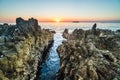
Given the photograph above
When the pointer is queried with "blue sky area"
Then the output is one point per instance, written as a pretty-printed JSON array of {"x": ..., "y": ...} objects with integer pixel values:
[{"x": 44, "y": 10}]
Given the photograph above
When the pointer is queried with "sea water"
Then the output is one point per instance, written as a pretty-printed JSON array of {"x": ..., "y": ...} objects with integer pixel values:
[
  {"x": 52, "y": 63},
  {"x": 59, "y": 27}
]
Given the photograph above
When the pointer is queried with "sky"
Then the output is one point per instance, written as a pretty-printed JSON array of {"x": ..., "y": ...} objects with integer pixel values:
[{"x": 60, "y": 10}]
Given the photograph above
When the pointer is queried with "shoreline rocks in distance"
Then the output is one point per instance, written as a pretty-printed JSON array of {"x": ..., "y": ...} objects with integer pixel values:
[
  {"x": 22, "y": 48},
  {"x": 90, "y": 55}
]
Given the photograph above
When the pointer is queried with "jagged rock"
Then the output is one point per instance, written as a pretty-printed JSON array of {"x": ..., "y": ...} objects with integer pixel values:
[
  {"x": 53, "y": 32},
  {"x": 65, "y": 33},
  {"x": 94, "y": 28},
  {"x": 2, "y": 39},
  {"x": 118, "y": 31},
  {"x": 78, "y": 33},
  {"x": 28, "y": 27},
  {"x": 21, "y": 49},
  {"x": 90, "y": 55}
]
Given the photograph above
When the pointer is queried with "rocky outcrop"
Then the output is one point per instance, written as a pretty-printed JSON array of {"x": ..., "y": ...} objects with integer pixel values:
[
  {"x": 65, "y": 33},
  {"x": 90, "y": 55},
  {"x": 22, "y": 48}
]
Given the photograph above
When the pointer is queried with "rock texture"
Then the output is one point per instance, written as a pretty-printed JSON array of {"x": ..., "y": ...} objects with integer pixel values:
[
  {"x": 90, "y": 55},
  {"x": 22, "y": 48}
]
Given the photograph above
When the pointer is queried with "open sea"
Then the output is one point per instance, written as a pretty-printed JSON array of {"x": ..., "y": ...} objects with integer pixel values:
[{"x": 59, "y": 27}]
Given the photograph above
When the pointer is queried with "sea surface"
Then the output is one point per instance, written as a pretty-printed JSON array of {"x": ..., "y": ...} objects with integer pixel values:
[
  {"x": 59, "y": 27},
  {"x": 52, "y": 63}
]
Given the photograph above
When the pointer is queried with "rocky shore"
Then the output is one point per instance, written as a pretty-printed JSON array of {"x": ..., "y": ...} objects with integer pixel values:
[
  {"x": 22, "y": 48},
  {"x": 90, "y": 55}
]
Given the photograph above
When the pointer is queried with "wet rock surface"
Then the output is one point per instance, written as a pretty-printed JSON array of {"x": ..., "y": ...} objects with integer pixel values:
[
  {"x": 22, "y": 48},
  {"x": 90, "y": 55}
]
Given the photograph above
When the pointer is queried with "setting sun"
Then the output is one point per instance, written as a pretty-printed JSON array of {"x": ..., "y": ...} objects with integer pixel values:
[{"x": 57, "y": 20}]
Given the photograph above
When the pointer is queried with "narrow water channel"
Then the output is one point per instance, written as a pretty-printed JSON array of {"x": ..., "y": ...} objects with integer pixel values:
[{"x": 52, "y": 63}]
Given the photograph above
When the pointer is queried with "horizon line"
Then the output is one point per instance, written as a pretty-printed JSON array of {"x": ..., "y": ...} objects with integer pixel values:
[
  {"x": 86, "y": 21},
  {"x": 74, "y": 21},
  {"x": 77, "y": 21}
]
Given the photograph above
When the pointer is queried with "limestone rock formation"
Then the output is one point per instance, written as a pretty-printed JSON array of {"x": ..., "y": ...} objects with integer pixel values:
[
  {"x": 88, "y": 56},
  {"x": 21, "y": 49}
]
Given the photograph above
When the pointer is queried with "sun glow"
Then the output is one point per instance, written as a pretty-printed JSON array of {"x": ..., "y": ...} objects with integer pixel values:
[{"x": 57, "y": 20}]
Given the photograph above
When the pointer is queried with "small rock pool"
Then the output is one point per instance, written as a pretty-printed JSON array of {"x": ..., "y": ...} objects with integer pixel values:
[{"x": 52, "y": 63}]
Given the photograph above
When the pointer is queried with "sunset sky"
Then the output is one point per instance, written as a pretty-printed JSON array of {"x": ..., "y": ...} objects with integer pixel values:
[{"x": 60, "y": 10}]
